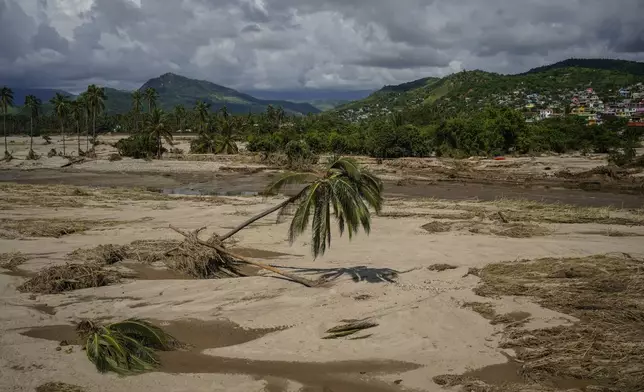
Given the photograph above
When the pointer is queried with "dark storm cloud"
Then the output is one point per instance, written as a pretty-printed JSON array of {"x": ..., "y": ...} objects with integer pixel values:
[{"x": 290, "y": 44}]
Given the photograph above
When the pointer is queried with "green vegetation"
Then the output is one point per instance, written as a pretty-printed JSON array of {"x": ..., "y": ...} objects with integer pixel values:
[
  {"x": 126, "y": 347},
  {"x": 6, "y": 101},
  {"x": 464, "y": 114}
]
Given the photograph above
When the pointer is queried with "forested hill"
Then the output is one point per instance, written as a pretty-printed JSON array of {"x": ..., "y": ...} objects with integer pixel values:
[
  {"x": 179, "y": 90},
  {"x": 470, "y": 91}
]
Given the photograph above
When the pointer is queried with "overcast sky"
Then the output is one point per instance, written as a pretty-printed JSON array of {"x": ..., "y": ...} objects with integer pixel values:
[{"x": 292, "y": 44}]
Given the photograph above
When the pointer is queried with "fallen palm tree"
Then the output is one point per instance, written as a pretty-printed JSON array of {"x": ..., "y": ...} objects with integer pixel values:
[{"x": 344, "y": 190}]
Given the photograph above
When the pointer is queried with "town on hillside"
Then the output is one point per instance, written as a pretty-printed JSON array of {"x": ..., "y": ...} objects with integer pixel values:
[{"x": 627, "y": 102}]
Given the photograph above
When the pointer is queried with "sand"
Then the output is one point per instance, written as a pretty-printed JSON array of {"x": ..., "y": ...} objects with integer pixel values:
[{"x": 424, "y": 330}]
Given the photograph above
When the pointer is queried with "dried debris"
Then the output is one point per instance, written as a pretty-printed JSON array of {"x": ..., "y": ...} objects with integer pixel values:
[
  {"x": 68, "y": 277},
  {"x": 12, "y": 260},
  {"x": 349, "y": 328},
  {"x": 441, "y": 267},
  {"x": 604, "y": 349}
]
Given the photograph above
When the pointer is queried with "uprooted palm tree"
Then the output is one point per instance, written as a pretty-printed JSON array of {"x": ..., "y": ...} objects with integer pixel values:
[
  {"x": 126, "y": 347},
  {"x": 343, "y": 191}
]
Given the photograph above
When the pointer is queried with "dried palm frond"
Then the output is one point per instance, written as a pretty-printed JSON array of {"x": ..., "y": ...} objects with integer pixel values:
[{"x": 349, "y": 329}]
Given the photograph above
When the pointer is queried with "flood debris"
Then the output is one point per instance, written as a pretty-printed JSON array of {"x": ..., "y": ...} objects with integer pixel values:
[
  {"x": 12, "y": 260},
  {"x": 350, "y": 328},
  {"x": 604, "y": 350},
  {"x": 68, "y": 277}
]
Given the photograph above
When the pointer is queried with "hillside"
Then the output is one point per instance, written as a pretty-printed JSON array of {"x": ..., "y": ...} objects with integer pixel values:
[
  {"x": 179, "y": 90},
  {"x": 631, "y": 67},
  {"x": 546, "y": 87},
  {"x": 44, "y": 94}
]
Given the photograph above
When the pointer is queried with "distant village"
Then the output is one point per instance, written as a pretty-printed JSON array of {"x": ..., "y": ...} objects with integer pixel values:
[{"x": 627, "y": 102}]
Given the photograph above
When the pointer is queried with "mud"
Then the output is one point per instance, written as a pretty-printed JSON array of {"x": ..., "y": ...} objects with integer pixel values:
[
  {"x": 510, "y": 373},
  {"x": 199, "y": 183},
  {"x": 198, "y": 335}
]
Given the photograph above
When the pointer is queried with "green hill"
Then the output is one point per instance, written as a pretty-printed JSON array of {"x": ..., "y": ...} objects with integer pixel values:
[
  {"x": 178, "y": 90},
  {"x": 552, "y": 86}
]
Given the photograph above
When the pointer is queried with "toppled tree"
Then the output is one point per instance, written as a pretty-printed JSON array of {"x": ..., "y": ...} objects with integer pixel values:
[{"x": 344, "y": 190}]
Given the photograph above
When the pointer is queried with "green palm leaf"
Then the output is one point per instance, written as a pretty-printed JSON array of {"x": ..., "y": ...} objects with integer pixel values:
[{"x": 126, "y": 347}]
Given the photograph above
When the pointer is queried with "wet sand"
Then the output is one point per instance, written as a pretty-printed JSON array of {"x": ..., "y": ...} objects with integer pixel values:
[
  {"x": 198, "y": 335},
  {"x": 199, "y": 183}
]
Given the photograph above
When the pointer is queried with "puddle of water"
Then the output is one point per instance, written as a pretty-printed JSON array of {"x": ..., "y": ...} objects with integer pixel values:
[
  {"x": 206, "y": 192},
  {"x": 50, "y": 310},
  {"x": 20, "y": 273},
  {"x": 341, "y": 376},
  {"x": 518, "y": 316},
  {"x": 57, "y": 333},
  {"x": 510, "y": 372}
]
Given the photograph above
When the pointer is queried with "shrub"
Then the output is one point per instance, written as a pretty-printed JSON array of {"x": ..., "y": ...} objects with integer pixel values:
[
  {"x": 47, "y": 139},
  {"x": 206, "y": 143},
  {"x": 139, "y": 146},
  {"x": 114, "y": 157},
  {"x": 299, "y": 154},
  {"x": 52, "y": 153}
]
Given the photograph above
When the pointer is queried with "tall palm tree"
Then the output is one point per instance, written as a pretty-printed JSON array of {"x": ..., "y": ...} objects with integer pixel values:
[
  {"x": 151, "y": 96},
  {"x": 201, "y": 110},
  {"x": 87, "y": 108},
  {"x": 157, "y": 126},
  {"x": 96, "y": 99},
  {"x": 77, "y": 112},
  {"x": 179, "y": 115},
  {"x": 6, "y": 101},
  {"x": 343, "y": 190},
  {"x": 137, "y": 105},
  {"x": 227, "y": 126},
  {"x": 32, "y": 104},
  {"x": 61, "y": 108}
]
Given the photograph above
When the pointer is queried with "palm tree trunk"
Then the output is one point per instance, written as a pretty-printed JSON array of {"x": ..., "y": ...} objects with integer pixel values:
[
  {"x": 94, "y": 129},
  {"x": 158, "y": 147},
  {"x": 256, "y": 218},
  {"x": 4, "y": 126},
  {"x": 86, "y": 132},
  {"x": 31, "y": 134},
  {"x": 78, "y": 128},
  {"x": 62, "y": 133}
]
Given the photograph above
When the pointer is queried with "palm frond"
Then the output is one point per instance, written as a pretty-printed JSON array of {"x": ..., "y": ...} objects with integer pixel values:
[
  {"x": 287, "y": 179},
  {"x": 320, "y": 227},
  {"x": 347, "y": 166},
  {"x": 126, "y": 347},
  {"x": 307, "y": 205}
]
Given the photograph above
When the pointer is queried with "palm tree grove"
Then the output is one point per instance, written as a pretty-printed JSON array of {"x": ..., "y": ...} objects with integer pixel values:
[{"x": 253, "y": 196}]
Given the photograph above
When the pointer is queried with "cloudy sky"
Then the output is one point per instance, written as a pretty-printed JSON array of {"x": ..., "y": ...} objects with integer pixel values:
[{"x": 294, "y": 44}]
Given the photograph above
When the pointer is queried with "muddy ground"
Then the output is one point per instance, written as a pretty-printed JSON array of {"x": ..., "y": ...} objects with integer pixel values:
[{"x": 473, "y": 286}]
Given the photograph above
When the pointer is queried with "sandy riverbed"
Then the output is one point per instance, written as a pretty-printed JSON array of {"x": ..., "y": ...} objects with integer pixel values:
[{"x": 424, "y": 329}]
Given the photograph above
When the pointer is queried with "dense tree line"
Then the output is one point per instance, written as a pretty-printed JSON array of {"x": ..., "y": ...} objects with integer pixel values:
[{"x": 411, "y": 133}]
